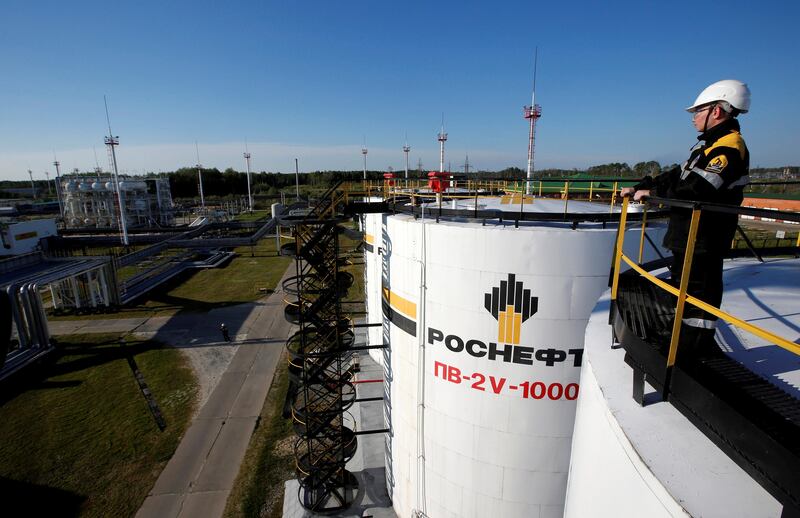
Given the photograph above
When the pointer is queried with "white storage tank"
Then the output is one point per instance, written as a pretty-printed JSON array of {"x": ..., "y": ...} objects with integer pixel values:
[{"x": 486, "y": 333}]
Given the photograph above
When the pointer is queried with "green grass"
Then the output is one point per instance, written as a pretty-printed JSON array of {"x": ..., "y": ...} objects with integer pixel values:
[
  {"x": 254, "y": 216},
  {"x": 78, "y": 437},
  {"x": 246, "y": 278},
  {"x": 773, "y": 195},
  {"x": 765, "y": 238}
]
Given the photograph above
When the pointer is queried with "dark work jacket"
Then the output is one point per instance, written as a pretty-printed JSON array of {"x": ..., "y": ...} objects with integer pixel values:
[{"x": 716, "y": 172}]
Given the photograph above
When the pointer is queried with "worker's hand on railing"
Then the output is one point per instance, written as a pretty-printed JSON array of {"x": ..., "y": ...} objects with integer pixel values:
[{"x": 637, "y": 195}]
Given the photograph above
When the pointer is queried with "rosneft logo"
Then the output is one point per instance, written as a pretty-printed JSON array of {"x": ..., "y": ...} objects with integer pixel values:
[{"x": 511, "y": 305}]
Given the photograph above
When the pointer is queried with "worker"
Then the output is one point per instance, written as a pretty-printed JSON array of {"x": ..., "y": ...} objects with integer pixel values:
[
  {"x": 225, "y": 335},
  {"x": 716, "y": 172}
]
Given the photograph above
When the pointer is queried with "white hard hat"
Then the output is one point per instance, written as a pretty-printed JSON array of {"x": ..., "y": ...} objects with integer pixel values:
[{"x": 734, "y": 92}]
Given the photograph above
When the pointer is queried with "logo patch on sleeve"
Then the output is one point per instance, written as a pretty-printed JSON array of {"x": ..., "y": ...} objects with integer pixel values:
[{"x": 717, "y": 164}]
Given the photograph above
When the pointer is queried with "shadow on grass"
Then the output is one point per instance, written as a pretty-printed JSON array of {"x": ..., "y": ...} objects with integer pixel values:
[
  {"x": 40, "y": 500},
  {"x": 90, "y": 356},
  {"x": 160, "y": 301},
  {"x": 66, "y": 359}
]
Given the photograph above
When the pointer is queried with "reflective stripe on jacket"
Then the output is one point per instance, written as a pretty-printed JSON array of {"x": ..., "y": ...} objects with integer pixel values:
[{"x": 716, "y": 172}]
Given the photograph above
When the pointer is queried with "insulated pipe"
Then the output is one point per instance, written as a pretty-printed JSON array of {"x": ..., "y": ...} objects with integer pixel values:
[
  {"x": 41, "y": 318},
  {"x": 76, "y": 296},
  {"x": 34, "y": 320},
  {"x": 28, "y": 316},
  {"x": 11, "y": 292},
  {"x": 101, "y": 277},
  {"x": 92, "y": 297},
  {"x": 54, "y": 296}
]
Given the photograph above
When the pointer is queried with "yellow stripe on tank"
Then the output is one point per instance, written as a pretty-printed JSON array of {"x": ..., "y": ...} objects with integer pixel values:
[{"x": 404, "y": 306}]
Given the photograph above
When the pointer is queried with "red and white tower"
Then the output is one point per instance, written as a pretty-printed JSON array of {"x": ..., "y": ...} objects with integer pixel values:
[{"x": 532, "y": 113}]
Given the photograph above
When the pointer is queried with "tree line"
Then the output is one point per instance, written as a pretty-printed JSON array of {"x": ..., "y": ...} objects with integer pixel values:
[{"x": 230, "y": 182}]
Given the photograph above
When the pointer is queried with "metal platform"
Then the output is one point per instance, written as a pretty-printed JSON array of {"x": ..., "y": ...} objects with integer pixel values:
[{"x": 752, "y": 418}]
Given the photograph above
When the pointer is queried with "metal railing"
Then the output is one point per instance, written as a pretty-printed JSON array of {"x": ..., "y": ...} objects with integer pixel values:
[
  {"x": 587, "y": 189},
  {"x": 680, "y": 292}
]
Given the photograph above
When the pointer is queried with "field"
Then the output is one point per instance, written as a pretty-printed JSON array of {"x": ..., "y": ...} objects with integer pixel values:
[{"x": 78, "y": 438}]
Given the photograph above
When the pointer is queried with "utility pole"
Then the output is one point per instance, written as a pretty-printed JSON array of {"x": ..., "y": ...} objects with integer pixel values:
[
  {"x": 406, "y": 149},
  {"x": 200, "y": 176},
  {"x": 247, "y": 161},
  {"x": 364, "y": 152},
  {"x": 112, "y": 142},
  {"x": 33, "y": 187},
  {"x": 296, "y": 180},
  {"x": 58, "y": 184}
]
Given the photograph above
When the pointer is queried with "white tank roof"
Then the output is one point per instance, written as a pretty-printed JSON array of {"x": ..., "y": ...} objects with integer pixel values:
[
  {"x": 654, "y": 455},
  {"x": 511, "y": 203}
]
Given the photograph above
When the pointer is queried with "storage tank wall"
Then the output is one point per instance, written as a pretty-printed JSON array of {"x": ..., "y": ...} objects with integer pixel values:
[
  {"x": 373, "y": 224},
  {"x": 498, "y": 387}
]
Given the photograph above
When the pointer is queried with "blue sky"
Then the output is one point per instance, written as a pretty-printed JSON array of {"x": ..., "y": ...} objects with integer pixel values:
[{"x": 313, "y": 79}]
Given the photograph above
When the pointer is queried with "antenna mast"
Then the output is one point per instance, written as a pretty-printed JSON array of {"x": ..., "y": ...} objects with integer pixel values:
[
  {"x": 442, "y": 139},
  {"x": 532, "y": 113},
  {"x": 111, "y": 142}
]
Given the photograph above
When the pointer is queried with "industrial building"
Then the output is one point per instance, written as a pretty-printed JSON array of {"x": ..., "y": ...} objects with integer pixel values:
[{"x": 23, "y": 237}]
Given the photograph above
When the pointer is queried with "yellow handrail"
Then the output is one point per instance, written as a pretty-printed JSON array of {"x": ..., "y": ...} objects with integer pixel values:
[
  {"x": 681, "y": 291},
  {"x": 623, "y": 217},
  {"x": 708, "y": 308},
  {"x": 642, "y": 236},
  {"x": 685, "y": 273}
]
